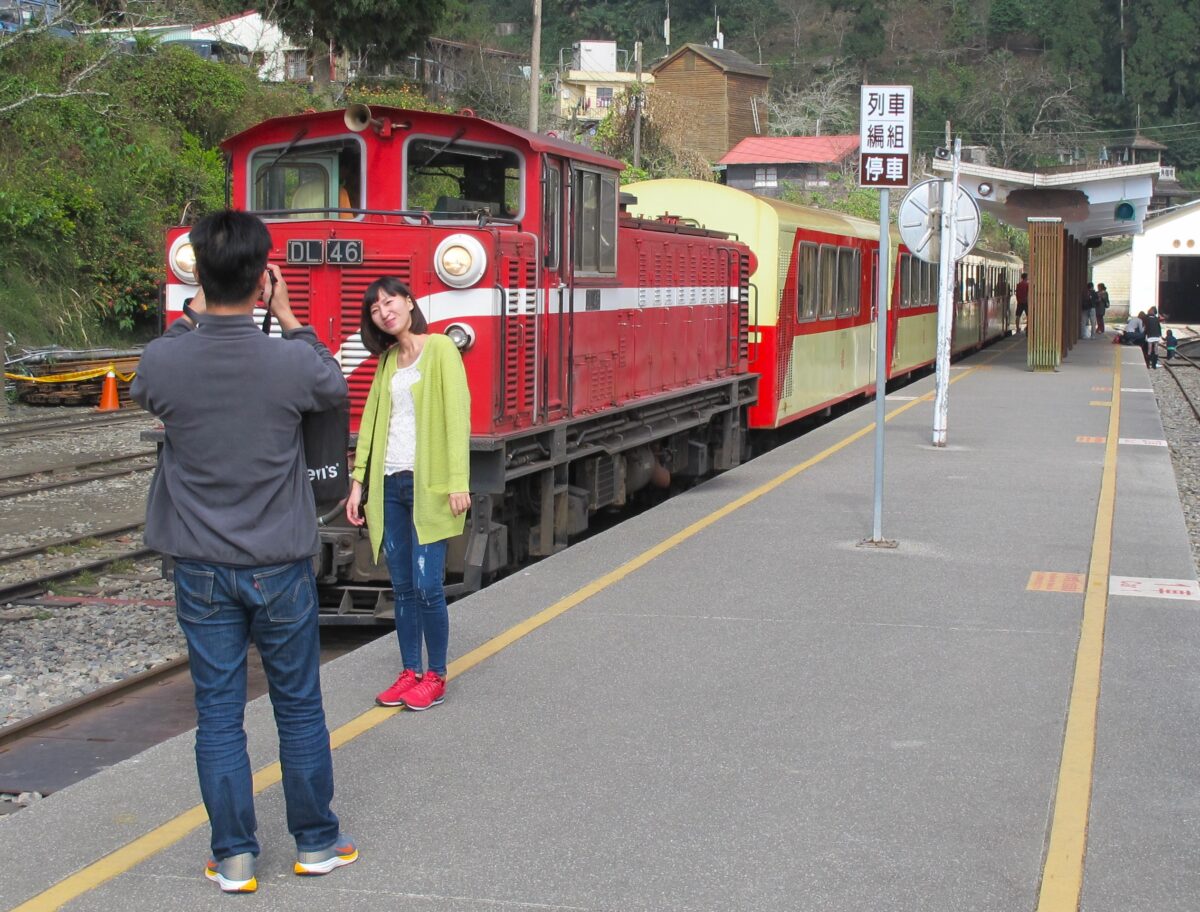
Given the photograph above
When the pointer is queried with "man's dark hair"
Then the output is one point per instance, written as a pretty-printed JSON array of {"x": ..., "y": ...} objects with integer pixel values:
[
  {"x": 231, "y": 254},
  {"x": 374, "y": 338}
]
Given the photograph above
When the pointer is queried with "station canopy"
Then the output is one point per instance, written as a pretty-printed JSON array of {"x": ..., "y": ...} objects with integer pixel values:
[{"x": 1093, "y": 202}]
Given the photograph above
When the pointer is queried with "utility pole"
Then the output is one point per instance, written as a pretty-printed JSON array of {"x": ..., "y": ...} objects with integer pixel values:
[
  {"x": 1122, "y": 48},
  {"x": 535, "y": 65},
  {"x": 637, "y": 105}
]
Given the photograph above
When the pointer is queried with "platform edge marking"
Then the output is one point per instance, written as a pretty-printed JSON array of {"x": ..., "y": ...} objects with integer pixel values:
[
  {"x": 164, "y": 836},
  {"x": 1061, "y": 888}
]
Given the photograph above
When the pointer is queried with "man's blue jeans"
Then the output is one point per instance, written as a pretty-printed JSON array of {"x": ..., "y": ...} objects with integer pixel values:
[
  {"x": 418, "y": 575},
  {"x": 221, "y": 609}
]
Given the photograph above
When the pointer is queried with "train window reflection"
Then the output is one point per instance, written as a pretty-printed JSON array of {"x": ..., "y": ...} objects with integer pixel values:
[
  {"x": 806, "y": 283},
  {"x": 828, "y": 289},
  {"x": 454, "y": 180},
  {"x": 313, "y": 181},
  {"x": 848, "y": 284},
  {"x": 595, "y": 222}
]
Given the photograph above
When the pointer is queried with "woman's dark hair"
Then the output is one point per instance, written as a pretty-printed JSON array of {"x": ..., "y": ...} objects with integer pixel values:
[
  {"x": 231, "y": 254},
  {"x": 375, "y": 339}
]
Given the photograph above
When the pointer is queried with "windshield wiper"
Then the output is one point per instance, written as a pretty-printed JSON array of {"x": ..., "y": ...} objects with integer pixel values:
[
  {"x": 300, "y": 134},
  {"x": 458, "y": 134}
]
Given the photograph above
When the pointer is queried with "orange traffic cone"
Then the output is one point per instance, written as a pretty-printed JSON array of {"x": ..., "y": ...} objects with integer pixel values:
[{"x": 108, "y": 394}]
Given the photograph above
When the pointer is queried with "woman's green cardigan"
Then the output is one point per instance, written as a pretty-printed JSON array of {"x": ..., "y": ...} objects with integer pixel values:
[{"x": 443, "y": 411}]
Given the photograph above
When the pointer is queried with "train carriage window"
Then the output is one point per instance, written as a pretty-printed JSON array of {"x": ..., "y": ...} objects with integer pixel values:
[
  {"x": 828, "y": 282},
  {"x": 595, "y": 222},
  {"x": 455, "y": 180},
  {"x": 315, "y": 180},
  {"x": 807, "y": 283},
  {"x": 906, "y": 262},
  {"x": 848, "y": 284}
]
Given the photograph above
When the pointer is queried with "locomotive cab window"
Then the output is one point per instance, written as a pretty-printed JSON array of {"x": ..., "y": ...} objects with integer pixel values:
[
  {"x": 594, "y": 222},
  {"x": 313, "y": 181},
  {"x": 454, "y": 180}
]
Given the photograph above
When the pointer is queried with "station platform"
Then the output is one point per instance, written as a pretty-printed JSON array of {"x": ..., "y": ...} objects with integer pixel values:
[{"x": 727, "y": 703}]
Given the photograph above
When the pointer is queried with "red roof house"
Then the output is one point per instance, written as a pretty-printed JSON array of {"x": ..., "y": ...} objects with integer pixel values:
[{"x": 761, "y": 164}]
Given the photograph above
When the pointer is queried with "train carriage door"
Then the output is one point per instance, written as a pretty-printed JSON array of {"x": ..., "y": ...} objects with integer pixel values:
[{"x": 555, "y": 312}]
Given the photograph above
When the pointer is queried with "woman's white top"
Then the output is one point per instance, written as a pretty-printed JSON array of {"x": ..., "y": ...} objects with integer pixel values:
[{"x": 402, "y": 426}]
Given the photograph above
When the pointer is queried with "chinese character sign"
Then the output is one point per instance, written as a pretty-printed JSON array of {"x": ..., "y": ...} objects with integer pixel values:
[{"x": 885, "y": 136}]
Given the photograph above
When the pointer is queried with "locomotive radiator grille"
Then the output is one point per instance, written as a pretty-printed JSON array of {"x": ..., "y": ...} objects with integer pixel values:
[
  {"x": 520, "y": 350},
  {"x": 743, "y": 308},
  {"x": 354, "y": 282},
  {"x": 299, "y": 283}
]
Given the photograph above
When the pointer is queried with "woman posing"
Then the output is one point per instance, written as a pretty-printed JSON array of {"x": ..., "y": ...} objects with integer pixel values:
[{"x": 413, "y": 456}]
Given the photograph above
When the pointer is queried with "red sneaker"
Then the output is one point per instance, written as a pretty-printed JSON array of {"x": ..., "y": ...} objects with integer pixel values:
[
  {"x": 430, "y": 692},
  {"x": 392, "y": 696}
]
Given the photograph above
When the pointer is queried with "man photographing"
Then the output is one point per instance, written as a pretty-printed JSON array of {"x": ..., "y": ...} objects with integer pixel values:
[{"x": 231, "y": 503}]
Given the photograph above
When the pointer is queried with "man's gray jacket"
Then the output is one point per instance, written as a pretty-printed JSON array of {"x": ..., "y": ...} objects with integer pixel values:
[{"x": 231, "y": 485}]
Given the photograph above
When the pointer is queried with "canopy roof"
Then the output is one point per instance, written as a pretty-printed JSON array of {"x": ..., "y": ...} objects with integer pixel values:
[{"x": 1087, "y": 200}]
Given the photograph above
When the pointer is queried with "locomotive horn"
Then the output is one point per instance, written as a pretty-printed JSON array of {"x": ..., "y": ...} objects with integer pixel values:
[{"x": 358, "y": 118}]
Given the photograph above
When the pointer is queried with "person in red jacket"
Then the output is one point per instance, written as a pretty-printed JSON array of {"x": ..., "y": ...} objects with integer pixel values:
[{"x": 1022, "y": 293}]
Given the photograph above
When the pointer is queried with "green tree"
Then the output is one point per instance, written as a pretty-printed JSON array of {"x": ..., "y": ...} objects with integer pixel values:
[{"x": 388, "y": 27}]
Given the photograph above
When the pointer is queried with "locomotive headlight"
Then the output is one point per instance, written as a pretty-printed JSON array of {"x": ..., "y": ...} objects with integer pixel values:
[
  {"x": 461, "y": 335},
  {"x": 460, "y": 260},
  {"x": 182, "y": 259}
]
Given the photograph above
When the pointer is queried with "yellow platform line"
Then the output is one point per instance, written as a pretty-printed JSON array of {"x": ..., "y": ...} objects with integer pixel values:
[
  {"x": 134, "y": 853},
  {"x": 1062, "y": 877}
]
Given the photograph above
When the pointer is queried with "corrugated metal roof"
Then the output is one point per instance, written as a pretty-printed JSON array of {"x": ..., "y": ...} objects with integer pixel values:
[{"x": 766, "y": 150}]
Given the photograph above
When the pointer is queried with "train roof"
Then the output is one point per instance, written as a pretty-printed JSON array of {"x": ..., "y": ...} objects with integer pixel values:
[
  {"x": 727, "y": 208},
  {"x": 538, "y": 142}
]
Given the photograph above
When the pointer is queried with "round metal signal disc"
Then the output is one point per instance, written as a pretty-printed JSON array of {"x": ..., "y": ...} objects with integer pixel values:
[{"x": 920, "y": 221}]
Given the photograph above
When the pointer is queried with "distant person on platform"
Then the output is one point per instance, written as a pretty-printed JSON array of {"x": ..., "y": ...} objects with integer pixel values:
[
  {"x": 1022, "y": 293},
  {"x": 232, "y": 504},
  {"x": 1088, "y": 306},
  {"x": 1153, "y": 329},
  {"x": 1102, "y": 293}
]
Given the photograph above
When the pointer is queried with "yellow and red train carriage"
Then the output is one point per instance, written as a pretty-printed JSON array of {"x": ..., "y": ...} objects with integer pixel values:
[{"x": 813, "y": 331}]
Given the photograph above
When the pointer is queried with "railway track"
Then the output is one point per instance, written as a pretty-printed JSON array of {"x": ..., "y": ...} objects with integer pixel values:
[
  {"x": 20, "y": 483},
  {"x": 31, "y": 427},
  {"x": 44, "y": 582},
  {"x": 1173, "y": 368},
  {"x": 121, "y": 719}
]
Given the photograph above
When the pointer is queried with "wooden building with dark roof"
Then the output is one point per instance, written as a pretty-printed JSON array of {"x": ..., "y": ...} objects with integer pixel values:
[{"x": 726, "y": 95}]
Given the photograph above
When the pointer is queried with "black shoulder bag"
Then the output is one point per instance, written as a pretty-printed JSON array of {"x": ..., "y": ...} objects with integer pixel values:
[{"x": 326, "y": 437}]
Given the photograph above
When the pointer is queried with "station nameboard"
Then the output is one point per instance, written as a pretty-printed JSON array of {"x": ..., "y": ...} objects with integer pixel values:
[{"x": 885, "y": 136}]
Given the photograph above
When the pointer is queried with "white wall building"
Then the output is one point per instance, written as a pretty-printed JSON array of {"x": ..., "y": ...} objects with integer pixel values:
[
  {"x": 277, "y": 59},
  {"x": 1165, "y": 267},
  {"x": 1113, "y": 270}
]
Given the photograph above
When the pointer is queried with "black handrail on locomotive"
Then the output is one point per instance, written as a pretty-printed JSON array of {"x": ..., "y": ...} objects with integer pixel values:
[{"x": 424, "y": 215}]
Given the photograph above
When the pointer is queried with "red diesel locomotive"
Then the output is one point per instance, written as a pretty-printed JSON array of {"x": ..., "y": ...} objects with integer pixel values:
[{"x": 604, "y": 352}]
